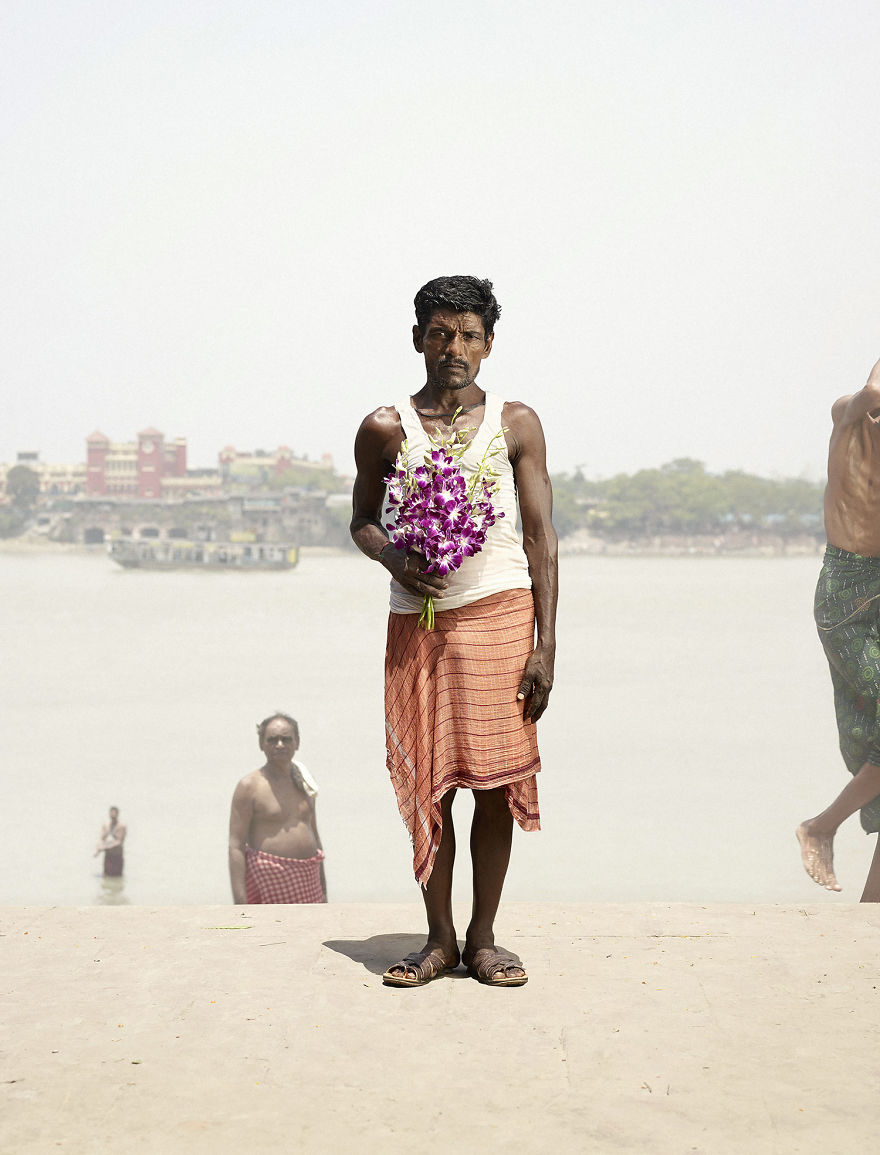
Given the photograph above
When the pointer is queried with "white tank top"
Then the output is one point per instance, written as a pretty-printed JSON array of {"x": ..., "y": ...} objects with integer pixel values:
[{"x": 501, "y": 564}]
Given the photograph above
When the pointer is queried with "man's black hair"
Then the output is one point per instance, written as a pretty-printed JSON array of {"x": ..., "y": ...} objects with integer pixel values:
[
  {"x": 263, "y": 726},
  {"x": 461, "y": 295}
]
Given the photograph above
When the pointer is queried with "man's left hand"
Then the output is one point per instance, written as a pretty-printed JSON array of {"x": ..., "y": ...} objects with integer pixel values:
[{"x": 536, "y": 684}]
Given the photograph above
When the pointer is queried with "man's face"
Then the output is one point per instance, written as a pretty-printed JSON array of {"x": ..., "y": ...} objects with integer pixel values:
[
  {"x": 453, "y": 345},
  {"x": 278, "y": 743},
  {"x": 114, "y": 813}
]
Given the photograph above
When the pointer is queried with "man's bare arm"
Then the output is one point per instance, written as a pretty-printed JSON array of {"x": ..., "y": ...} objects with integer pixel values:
[
  {"x": 375, "y": 449},
  {"x": 373, "y": 444},
  {"x": 239, "y": 827},
  {"x": 525, "y": 439},
  {"x": 110, "y": 841},
  {"x": 853, "y": 408},
  {"x": 313, "y": 809}
]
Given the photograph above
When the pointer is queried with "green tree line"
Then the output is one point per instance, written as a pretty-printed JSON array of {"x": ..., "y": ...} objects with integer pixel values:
[
  {"x": 683, "y": 498},
  {"x": 22, "y": 488}
]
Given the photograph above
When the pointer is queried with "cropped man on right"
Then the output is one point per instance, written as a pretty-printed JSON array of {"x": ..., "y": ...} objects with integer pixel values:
[{"x": 847, "y": 612}]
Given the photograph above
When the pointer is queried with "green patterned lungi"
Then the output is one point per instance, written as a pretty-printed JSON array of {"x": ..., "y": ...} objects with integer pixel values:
[{"x": 847, "y": 612}]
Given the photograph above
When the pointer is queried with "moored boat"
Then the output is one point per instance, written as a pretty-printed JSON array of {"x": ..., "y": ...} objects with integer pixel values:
[{"x": 177, "y": 553}]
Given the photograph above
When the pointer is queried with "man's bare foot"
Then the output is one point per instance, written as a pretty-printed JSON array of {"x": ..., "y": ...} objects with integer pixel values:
[{"x": 817, "y": 855}]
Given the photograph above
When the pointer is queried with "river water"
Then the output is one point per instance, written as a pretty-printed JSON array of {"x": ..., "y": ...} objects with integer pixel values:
[{"x": 690, "y": 729}]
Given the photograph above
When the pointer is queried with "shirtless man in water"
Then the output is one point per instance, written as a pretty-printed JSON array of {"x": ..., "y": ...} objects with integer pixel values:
[
  {"x": 275, "y": 852},
  {"x": 847, "y": 613},
  {"x": 110, "y": 844}
]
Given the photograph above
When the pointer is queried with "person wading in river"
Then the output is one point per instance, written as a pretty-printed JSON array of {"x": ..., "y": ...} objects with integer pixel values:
[{"x": 110, "y": 845}]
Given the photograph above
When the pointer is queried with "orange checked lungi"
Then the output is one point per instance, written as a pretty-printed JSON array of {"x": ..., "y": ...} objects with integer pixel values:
[{"x": 452, "y": 718}]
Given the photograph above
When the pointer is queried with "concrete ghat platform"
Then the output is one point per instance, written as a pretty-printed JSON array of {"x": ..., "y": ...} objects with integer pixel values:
[{"x": 645, "y": 1028}]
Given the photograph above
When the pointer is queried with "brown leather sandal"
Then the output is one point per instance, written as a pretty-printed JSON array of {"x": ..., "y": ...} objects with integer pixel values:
[
  {"x": 418, "y": 969},
  {"x": 490, "y": 966}
]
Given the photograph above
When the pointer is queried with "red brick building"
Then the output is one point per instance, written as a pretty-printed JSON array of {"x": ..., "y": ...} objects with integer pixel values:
[{"x": 132, "y": 469}]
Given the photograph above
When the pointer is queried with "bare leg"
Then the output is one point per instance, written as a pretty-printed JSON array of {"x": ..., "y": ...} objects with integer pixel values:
[
  {"x": 437, "y": 895},
  {"x": 816, "y": 835},
  {"x": 491, "y": 838},
  {"x": 871, "y": 893}
]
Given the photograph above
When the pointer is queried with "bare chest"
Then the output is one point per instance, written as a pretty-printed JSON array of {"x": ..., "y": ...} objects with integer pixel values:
[
  {"x": 281, "y": 803},
  {"x": 854, "y": 458}
]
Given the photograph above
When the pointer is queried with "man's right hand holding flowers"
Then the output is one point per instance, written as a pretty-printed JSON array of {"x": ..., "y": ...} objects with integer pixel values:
[{"x": 408, "y": 569}]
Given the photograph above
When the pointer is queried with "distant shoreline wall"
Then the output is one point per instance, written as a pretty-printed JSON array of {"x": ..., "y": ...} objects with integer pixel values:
[
  {"x": 578, "y": 544},
  {"x": 581, "y": 543}
]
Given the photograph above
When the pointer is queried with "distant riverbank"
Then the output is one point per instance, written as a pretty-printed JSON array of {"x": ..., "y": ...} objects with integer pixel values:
[
  {"x": 38, "y": 543},
  {"x": 577, "y": 544},
  {"x": 581, "y": 543}
]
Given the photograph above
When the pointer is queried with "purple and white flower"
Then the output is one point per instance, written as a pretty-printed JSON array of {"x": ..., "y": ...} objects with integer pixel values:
[{"x": 438, "y": 512}]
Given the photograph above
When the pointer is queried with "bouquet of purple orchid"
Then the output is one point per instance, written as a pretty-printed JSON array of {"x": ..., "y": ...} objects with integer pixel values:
[{"x": 439, "y": 513}]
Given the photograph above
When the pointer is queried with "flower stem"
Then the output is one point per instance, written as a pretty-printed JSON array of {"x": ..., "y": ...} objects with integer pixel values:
[{"x": 426, "y": 619}]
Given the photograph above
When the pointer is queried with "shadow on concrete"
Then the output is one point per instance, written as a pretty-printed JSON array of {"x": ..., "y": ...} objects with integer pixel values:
[{"x": 378, "y": 953}]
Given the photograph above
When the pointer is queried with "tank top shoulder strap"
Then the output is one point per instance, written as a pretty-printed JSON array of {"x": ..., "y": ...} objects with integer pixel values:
[
  {"x": 412, "y": 427},
  {"x": 494, "y": 405},
  {"x": 489, "y": 428}
]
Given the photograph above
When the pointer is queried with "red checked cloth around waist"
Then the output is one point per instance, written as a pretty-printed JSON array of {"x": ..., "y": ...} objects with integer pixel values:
[{"x": 269, "y": 878}]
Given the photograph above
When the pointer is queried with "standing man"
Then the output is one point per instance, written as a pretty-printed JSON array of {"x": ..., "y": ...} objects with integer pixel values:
[
  {"x": 848, "y": 617},
  {"x": 110, "y": 844},
  {"x": 275, "y": 852},
  {"x": 462, "y": 700}
]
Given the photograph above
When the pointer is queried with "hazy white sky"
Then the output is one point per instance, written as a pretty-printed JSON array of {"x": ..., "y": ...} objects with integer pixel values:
[{"x": 215, "y": 216}]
